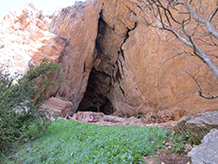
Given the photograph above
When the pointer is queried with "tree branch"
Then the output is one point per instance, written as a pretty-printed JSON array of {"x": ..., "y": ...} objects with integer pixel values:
[
  {"x": 207, "y": 23},
  {"x": 200, "y": 90}
]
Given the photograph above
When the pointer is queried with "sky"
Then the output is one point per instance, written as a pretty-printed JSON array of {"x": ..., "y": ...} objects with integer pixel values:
[{"x": 45, "y": 5}]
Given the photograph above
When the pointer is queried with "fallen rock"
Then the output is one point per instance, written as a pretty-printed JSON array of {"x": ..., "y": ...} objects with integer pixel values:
[
  {"x": 200, "y": 126},
  {"x": 207, "y": 151},
  {"x": 197, "y": 126},
  {"x": 88, "y": 116},
  {"x": 13, "y": 157},
  {"x": 114, "y": 119},
  {"x": 96, "y": 117},
  {"x": 59, "y": 106},
  {"x": 180, "y": 127}
]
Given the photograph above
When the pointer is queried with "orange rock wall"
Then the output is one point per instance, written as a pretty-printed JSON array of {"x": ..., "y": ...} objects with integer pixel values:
[
  {"x": 109, "y": 55},
  {"x": 149, "y": 81}
]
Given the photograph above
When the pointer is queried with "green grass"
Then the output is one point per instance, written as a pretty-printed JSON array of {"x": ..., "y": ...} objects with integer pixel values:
[{"x": 80, "y": 143}]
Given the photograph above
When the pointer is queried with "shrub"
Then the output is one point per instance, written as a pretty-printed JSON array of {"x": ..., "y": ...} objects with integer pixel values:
[{"x": 20, "y": 101}]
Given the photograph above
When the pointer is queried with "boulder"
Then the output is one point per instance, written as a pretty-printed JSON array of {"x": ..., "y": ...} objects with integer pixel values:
[
  {"x": 197, "y": 126},
  {"x": 96, "y": 117},
  {"x": 180, "y": 127},
  {"x": 207, "y": 151},
  {"x": 58, "y": 106},
  {"x": 200, "y": 126},
  {"x": 88, "y": 116},
  {"x": 114, "y": 119}
]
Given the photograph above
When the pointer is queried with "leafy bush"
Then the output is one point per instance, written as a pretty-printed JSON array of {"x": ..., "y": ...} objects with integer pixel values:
[{"x": 20, "y": 101}]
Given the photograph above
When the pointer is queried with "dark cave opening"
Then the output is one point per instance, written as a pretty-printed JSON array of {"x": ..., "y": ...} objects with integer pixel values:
[
  {"x": 98, "y": 93},
  {"x": 94, "y": 98}
]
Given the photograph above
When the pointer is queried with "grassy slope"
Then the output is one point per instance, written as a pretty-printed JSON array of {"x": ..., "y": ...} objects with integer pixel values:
[{"x": 80, "y": 143}]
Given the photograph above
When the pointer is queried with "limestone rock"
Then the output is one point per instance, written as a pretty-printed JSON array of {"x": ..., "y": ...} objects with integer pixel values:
[
  {"x": 207, "y": 151},
  {"x": 89, "y": 116},
  {"x": 114, "y": 119},
  {"x": 197, "y": 126},
  {"x": 180, "y": 127},
  {"x": 96, "y": 117},
  {"x": 200, "y": 126},
  {"x": 58, "y": 106},
  {"x": 26, "y": 38}
]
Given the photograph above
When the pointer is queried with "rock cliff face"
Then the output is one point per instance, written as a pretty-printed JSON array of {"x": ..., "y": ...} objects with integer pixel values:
[
  {"x": 25, "y": 37},
  {"x": 114, "y": 63}
]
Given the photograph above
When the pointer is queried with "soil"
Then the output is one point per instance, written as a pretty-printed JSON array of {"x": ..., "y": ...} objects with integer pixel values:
[{"x": 161, "y": 157}]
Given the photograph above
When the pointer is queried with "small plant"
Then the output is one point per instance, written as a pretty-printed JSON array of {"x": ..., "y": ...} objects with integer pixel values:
[{"x": 179, "y": 143}]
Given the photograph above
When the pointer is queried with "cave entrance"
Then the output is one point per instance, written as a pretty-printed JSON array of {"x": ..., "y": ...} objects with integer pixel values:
[
  {"x": 94, "y": 98},
  {"x": 99, "y": 92}
]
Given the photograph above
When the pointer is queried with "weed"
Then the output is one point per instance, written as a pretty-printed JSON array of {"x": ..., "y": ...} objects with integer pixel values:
[{"x": 179, "y": 143}]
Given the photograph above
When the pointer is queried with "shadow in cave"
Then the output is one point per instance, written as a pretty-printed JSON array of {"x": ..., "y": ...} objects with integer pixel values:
[{"x": 94, "y": 98}]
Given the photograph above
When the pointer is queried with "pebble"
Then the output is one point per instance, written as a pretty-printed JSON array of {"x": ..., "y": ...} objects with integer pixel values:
[
  {"x": 32, "y": 138},
  {"x": 29, "y": 149},
  {"x": 13, "y": 157},
  {"x": 25, "y": 139}
]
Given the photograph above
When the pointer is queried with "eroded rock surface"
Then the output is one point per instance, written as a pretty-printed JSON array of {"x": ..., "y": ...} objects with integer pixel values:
[
  {"x": 58, "y": 106},
  {"x": 113, "y": 62},
  {"x": 197, "y": 126},
  {"x": 207, "y": 151},
  {"x": 96, "y": 117},
  {"x": 25, "y": 37},
  {"x": 116, "y": 64}
]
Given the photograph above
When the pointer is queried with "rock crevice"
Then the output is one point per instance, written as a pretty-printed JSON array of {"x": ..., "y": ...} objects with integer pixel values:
[{"x": 105, "y": 80}]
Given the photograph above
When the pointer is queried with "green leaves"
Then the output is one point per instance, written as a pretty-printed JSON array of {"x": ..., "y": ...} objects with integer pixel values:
[
  {"x": 74, "y": 142},
  {"x": 20, "y": 101},
  {"x": 179, "y": 143}
]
